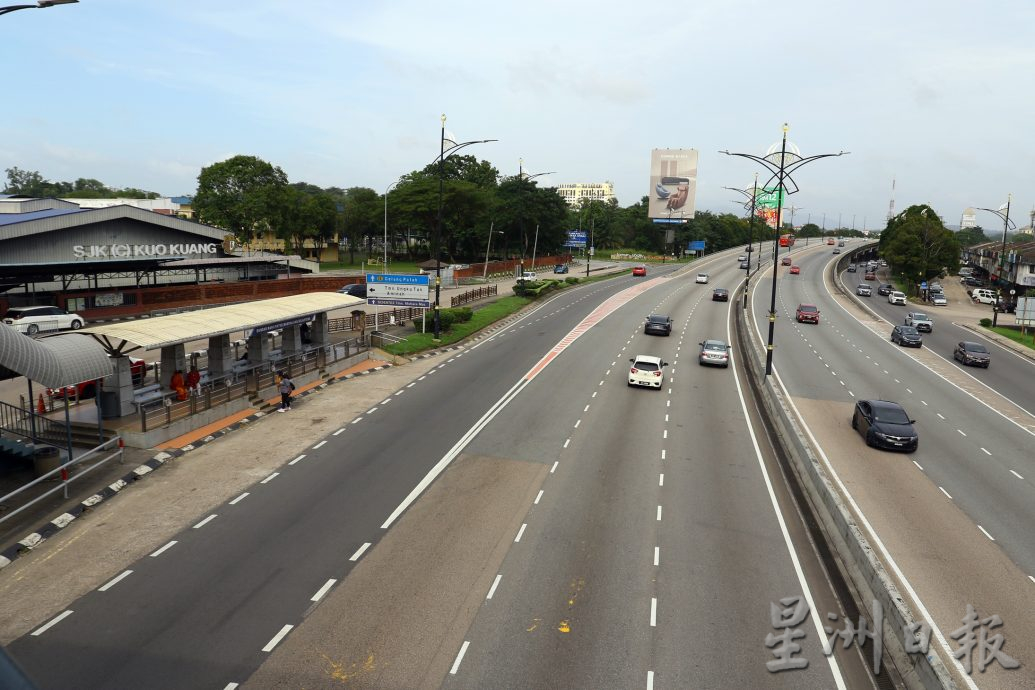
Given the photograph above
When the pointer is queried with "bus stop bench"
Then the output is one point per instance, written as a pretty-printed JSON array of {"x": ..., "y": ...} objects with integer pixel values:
[{"x": 149, "y": 394}]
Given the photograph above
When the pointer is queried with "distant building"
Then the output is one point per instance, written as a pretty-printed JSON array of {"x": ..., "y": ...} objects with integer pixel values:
[
  {"x": 594, "y": 191},
  {"x": 179, "y": 206},
  {"x": 968, "y": 219}
]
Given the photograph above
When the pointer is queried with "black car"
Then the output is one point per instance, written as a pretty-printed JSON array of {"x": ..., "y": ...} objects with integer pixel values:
[
  {"x": 884, "y": 424},
  {"x": 720, "y": 295},
  {"x": 971, "y": 281},
  {"x": 852, "y": 268},
  {"x": 662, "y": 325},
  {"x": 972, "y": 353},
  {"x": 354, "y": 289},
  {"x": 885, "y": 289},
  {"x": 906, "y": 335}
]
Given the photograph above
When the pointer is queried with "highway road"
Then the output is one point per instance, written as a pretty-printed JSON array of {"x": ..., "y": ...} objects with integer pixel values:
[
  {"x": 953, "y": 516},
  {"x": 515, "y": 517}
]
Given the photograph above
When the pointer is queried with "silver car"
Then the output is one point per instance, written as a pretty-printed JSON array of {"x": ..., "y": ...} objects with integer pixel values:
[
  {"x": 864, "y": 290},
  {"x": 715, "y": 352}
]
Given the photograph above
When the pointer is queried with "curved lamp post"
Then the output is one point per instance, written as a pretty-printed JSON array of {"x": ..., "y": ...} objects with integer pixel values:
[
  {"x": 443, "y": 154},
  {"x": 522, "y": 175},
  {"x": 781, "y": 162},
  {"x": 41, "y": 4},
  {"x": 1007, "y": 224}
]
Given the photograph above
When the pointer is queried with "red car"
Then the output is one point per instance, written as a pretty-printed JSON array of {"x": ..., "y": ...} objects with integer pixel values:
[
  {"x": 786, "y": 261},
  {"x": 870, "y": 276},
  {"x": 795, "y": 270},
  {"x": 807, "y": 313},
  {"x": 640, "y": 271},
  {"x": 86, "y": 389}
]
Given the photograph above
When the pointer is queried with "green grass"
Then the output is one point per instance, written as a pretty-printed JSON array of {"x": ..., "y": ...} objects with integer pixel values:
[
  {"x": 483, "y": 317},
  {"x": 1026, "y": 340}
]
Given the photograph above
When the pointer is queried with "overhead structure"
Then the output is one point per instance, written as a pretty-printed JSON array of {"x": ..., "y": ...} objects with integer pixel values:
[{"x": 57, "y": 361}]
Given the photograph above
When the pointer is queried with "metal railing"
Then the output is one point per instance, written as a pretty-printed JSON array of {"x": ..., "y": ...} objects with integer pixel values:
[
  {"x": 31, "y": 425},
  {"x": 109, "y": 449},
  {"x": 167, "y": 411},
  {"x": 473, "y": 295}
]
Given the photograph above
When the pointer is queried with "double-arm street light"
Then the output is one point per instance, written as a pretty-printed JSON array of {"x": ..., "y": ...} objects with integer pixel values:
[
  {"x": 522, "y": 175},
  {"x": 38, "y": 6},
  {"x": 1004, "y": 214},
  {"x": 752, "y": 195},
  {"x": 781, "y": 160},
  {"x": 442, "y": 155}
]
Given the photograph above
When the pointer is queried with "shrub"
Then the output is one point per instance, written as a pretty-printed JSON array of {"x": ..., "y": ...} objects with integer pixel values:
[
  {"x": 985, "y": 323},
  {"x": 446, "y": 318},
  {"x": 571, "y": 280}
]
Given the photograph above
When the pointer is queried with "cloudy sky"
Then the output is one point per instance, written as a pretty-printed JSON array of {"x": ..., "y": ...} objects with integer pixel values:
[{"x": 337, "y": 92}]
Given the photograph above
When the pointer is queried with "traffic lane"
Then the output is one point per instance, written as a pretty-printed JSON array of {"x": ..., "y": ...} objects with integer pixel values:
[{"x": 947, "y": 562}]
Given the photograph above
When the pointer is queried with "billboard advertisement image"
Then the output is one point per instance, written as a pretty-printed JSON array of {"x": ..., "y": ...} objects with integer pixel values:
[{"x": 673, "y": 184}]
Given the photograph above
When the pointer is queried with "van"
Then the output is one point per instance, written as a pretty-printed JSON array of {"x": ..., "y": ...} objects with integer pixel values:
[
  {"x": 983, "y": 295},
  {"x": 966, "y": 271}
]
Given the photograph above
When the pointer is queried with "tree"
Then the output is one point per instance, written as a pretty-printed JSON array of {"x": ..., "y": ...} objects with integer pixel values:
[
  {"x": 968, "y": 237},
  {"x": 361, "y": 217},
  {"x": 243, "y": 194},
  {"x": 918, "y": 246},
  {"x": 810, "y": 230}
]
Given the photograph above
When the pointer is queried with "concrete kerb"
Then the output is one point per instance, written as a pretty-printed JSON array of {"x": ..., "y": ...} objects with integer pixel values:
[{"x": 865, "y": 570}]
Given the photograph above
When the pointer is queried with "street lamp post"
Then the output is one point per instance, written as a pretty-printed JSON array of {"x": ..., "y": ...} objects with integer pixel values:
[
  {"x": 1007, "y": 223},
  {"x": 485, "y": 266},
  {"x": 781, "y": 162},
  {"x": 41, "y": 4},
  {"x": 522, "y": 175},
  {"x": 438, "y": 223}
]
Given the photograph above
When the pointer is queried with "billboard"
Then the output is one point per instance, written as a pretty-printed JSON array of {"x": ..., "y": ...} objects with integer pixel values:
[
  {"x": 767, "y": 202},
  {"x": 695, "y": 246},
  {"x": 673, "y": 184},
  {"x": 576, "y": 238}
]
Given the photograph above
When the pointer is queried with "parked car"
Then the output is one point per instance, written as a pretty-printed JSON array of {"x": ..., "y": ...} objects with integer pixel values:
[
  {"x": 969, "y": 353},
  {"x": 906, "y": 336},
  {"x": 896, "y": 297},
  {"x": 720, "y": 295},
  {"x": 33, "y": 320},
  {"x": 639, "y": 270},
  {"x": 885, "y": 424},
  {"x": 1005, "y": 305},
  {"x": 527, "y": 277},
  {"x": 795, "y": 270},
  {"x": 716, "y": 352},
  {"x": 920, "y": 321},
  {"x": 647, "y": 370},
  {"x": 852, "y": 268},
  {"x": 807, "y": 313},
  {"x": 885, "y": 289},
  {"x": 971, "y": 281},
  {"x": 869, "y": 275},
  {"x": 658, "y": 324},
  {"x": 87, "y": 389},
  {"x": 560, "y": 268},
  {"x": 864, "y": 290},
  {"x": 938, "y": 299},
  {"x": 702, "y": 278},
  {"x": 785, "y": 261},
  {"x": 354, "y": 289},
  {"x": 983, "y": 295}
]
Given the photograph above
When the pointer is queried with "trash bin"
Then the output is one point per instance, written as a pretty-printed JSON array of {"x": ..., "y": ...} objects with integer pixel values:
[
  {"x": 46, "y": 459},
  {"x": 110, "y": 405}
]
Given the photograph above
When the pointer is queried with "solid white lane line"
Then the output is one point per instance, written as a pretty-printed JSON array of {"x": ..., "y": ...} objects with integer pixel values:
[
  {"x": 555, "y": 463},
  {"x": 659, "y": 513},
  {"x": 650, "y": 680},
  {"x": 114, "y": 581},
  {"x": 1016, "y": 475},
  {"x": 945, "y": 492},
  {"x": 661, "y": 479},
  {"x": 653, "y": 612},
  {"x": 918, "y": 466},
  {"x": 459, "y": 656},
  {"x": 323, "y": 590},
  {"x": 321, "y": 444},
  {"x": 277, "y": 638},
  {"x": 297, "y": 460},
  {"x": 657, "y": 554},
  {"x": 270, "y": 478},
  {"x": 985, "y": 451},
  {"x": 566, "y": 442},
  {"x": 537, "y": 497},
  {"x": 359, "y": 552},
  {"x": 239, "y": 498},
  {"x": 495, "y": 584},
  {"x": 962, "y": 433},
  {"x": 338, "y": 431},
  {"x": 163, "y": 549},
  {"x": 520, "y": 532},
  {"x": 985, "y": 532},
  {"x": 204, "y": 522},
  {"x": 53, "y": 621}
]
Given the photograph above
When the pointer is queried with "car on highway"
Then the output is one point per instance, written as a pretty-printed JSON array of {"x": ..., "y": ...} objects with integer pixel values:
[
  {"x": 647, "y": 370},
  {"x": 938, "y": 299},
  {"x": 745, "y": 264},
  {"x": 714, "y": 352},
  {"x": 702, "y": 278},
  {"x": 807, "y": 313},
  {"x": 864, "y": 290},
  {"x": 33, "y": 320},
  {"x": 560, "y": 268},
  {"x": 885, "y": 424},
  {"x": 920, "y": 321},
  {"x": 906, "y": 336},
  {"x": 795, "y": 270},
  {"x": 884, "y": 262},
  {"x": 869, "y": 275},
  {"x": 658, "y": 324},
  {"x": 970, "y": 353},
  {"x": 639, "y": 270},
  {"x": 720, "y": 295},
  {"x": 836, "y": 251},
  {"x": 885, "y": 289},
  {"x": 852, "y": 268},
  {"x": 742, "y": 258},
  {"x": 896, "y": 297},
  {"x": 785, "y": 261}
]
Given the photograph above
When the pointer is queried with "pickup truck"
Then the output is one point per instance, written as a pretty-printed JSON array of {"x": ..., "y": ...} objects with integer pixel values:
[{"x": 919, "y": 321}]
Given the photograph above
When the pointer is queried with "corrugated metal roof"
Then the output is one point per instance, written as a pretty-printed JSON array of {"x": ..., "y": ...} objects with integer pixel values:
[
  {"x": 162, "y": 331},
  {"x": 62, "y": 360},
  {"x": 11, "y": 218}
]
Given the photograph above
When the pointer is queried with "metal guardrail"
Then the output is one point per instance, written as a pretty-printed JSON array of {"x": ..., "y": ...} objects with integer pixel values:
[
  {"x": 473, "y": 295},
  {"x": 168, "y": 411},
  {"x": 109, "y": 449},
  {"x": 31, "y": 425}
]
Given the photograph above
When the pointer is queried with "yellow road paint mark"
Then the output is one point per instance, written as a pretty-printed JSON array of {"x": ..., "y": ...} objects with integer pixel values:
[
  {"x": 535, "y": 624},
  {"x": 564, "y": 626},
  {"x": 339, "y": 671}
]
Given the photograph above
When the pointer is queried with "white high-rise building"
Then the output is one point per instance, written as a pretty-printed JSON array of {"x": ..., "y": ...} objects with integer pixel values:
[{"x": 595, "y": 191}]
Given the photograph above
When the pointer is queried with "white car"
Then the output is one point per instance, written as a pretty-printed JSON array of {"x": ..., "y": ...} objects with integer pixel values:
[
  {"x": 527, "y": 276},
  {"x": 702, "y": 278},
  {"x": 742, "y": 257},
  {"x": 896, "y": 297},
  {"x": 33, "y": 320},
  {"x": 647, "y": 370}
]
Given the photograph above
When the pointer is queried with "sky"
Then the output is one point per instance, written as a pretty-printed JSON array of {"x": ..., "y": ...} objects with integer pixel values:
[{"x": 935, "y": 95}]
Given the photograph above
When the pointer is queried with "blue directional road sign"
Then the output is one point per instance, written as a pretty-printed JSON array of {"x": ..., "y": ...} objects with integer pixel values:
[
  {"x": 696, "y": 246},
  {"x": 399, "y": 290},
  {"x": 576, "y": 238}
]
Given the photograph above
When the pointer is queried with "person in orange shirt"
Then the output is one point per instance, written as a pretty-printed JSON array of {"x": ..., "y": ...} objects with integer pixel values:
[{"x": 176, "y": 383}]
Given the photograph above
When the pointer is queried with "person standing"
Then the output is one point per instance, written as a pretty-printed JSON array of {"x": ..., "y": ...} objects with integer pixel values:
[{"x": 287, "y": 387}]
